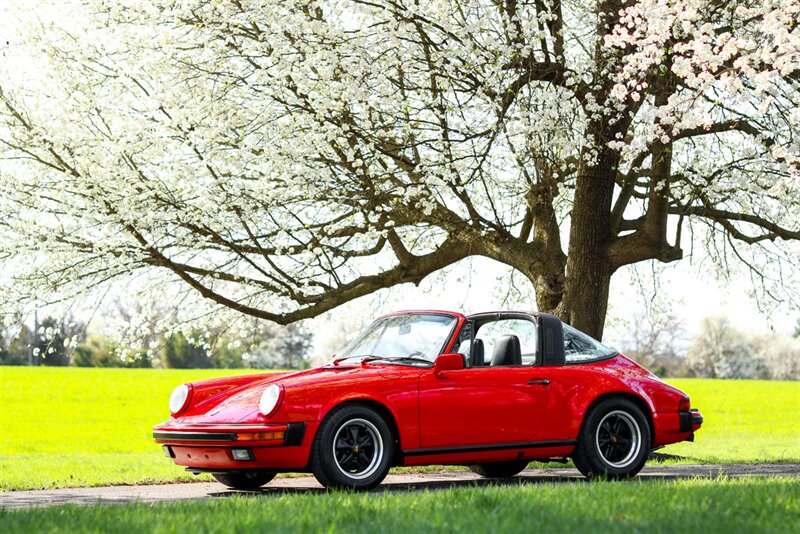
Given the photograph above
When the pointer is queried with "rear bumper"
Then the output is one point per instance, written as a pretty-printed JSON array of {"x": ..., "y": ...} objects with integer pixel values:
[
  {"x": 691, "y": 420},
  {"x": 278, "y": 446},
  {"x": 674, "y": 427}
]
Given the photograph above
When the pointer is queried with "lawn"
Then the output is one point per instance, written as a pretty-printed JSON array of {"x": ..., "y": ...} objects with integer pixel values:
[
  {"x": 745, "y": 421},
  {"x": 694, "y": 505},
  {"x": 66, "y": 427}
]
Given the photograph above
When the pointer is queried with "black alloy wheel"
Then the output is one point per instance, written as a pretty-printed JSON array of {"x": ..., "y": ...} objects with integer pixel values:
[
  {"x": 614, "y": 440},
  {"x": 353, "y": 449},
  {"x": 358, "y": 448},
  {"x": 618, "y": 439}
]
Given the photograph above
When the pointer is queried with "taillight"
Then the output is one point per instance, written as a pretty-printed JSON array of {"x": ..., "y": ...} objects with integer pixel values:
[{"x": 684, "y": 404}]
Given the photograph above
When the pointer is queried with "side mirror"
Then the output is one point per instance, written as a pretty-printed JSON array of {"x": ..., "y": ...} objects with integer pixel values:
[{"x": 448, "y": 362}]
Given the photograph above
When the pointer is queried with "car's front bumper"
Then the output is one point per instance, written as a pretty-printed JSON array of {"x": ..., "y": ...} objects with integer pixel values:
[
  {"x": 262, "y": 435},
  {"x": 236, "y": 446}
]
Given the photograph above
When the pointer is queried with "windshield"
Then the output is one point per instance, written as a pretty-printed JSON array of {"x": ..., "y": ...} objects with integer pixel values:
[
  {"x": 402, "y": 336},
  {"x": 579, "y": 347}
]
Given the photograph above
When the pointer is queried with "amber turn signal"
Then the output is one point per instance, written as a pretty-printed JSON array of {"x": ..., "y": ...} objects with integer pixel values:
[{"x": 260, "y": 436}]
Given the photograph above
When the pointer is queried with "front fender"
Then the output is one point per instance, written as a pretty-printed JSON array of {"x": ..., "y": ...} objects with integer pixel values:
[{"x": 395, "y": 390}]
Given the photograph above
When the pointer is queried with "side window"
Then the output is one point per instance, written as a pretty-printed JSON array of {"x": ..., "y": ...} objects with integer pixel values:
[
  {"x": 523, "y": 329},
  {"x": 579, "y": 347},
  {"x": 464, "y": 341},
  {"x": 465, "y": 348}
]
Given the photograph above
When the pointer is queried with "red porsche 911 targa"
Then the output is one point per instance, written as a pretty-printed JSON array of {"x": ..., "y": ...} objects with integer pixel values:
[{"x": 492, "y": 391}]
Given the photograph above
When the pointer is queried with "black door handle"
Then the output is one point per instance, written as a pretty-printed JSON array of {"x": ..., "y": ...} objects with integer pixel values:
[{"x": 539, "y": 381}]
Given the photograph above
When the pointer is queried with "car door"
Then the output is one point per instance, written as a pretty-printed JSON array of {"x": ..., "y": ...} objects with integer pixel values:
[{"x": 486, "y": 405}]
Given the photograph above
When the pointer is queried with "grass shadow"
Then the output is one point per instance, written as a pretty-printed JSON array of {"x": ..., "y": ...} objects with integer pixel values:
[
  {"x": 531, "y": 478},
  {"x": 410, "y": 487}
]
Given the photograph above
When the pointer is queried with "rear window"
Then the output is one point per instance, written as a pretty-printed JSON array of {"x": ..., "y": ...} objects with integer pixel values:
[{"x": 578, "y": 347}]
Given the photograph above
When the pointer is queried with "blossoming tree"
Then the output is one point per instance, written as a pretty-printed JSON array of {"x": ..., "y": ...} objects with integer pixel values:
[{"x": 281, "y": 157}]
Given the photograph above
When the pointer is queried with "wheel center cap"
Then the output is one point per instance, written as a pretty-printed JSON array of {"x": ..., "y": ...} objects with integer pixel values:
[
  {"x": 613, "y": 439},
  {"x": 355, "y": 449}
]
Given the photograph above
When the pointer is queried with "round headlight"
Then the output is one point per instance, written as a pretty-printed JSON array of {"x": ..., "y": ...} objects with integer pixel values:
[
  {"x": 270, "y": 399},
  {"x": 179, "y": 398}
]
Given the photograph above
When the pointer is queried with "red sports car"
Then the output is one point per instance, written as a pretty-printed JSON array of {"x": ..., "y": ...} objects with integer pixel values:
[{"x": 492, "y": 391}]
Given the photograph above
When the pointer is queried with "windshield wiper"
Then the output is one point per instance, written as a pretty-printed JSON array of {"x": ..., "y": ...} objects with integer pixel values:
[
  {"x": 409, "y": 359},
  {"x": 365, "y": 358}
]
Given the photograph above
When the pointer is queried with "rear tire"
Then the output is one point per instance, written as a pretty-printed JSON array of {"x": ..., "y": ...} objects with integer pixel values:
[
  {"x": 245, "y": 480},
  {"x": 614, "y": 440},
  {"x": 499, "y": 469},
  {"x": 353, "y": 449}
]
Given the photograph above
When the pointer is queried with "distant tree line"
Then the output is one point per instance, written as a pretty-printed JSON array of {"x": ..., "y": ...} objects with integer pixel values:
[
  {"x": 718, "y": 350},
  {"x": 50, "y": 345},
  {"x": 65, "y": 343}
]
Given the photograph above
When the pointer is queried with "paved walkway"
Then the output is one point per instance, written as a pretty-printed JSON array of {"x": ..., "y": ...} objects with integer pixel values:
[{"x": 393, "y": 482}]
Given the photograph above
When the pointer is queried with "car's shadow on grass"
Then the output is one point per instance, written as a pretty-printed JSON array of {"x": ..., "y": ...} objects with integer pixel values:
[
  {"x": 403, "y": 487},
  {"x": 441, "y": 485},
  {"x": 421, "y": 482}
]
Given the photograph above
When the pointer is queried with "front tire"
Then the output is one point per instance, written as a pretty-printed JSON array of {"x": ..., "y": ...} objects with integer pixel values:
[
  {"x": 499, "y": 469},
  {"x": 245, "y": 480},
  {"x": 353, "y": 449},
  {"x": 614, "y": 440}
]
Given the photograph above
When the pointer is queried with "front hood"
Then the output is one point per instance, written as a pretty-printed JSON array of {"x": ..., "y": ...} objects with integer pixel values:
[{"x": 241, "y": 404}]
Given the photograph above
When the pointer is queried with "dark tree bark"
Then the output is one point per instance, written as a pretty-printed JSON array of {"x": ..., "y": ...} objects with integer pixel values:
[{"x": 588, "y": 270}]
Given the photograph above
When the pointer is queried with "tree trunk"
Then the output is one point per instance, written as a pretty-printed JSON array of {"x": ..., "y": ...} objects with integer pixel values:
[
  {"x": 549, "y": 282},
  {"x": 588, "y": 272}
]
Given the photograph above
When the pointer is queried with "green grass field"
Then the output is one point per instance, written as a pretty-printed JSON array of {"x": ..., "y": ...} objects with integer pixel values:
[
  {"x": 67, "y": 427},
  {"x": 695, "y": 505},
  {"x": 745, "y": 421}
]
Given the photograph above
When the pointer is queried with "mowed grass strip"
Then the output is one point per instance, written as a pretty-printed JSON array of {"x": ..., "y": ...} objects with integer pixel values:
[
  {"x": 68, "y": 427},
  {"x": 696, "y": 505}
]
